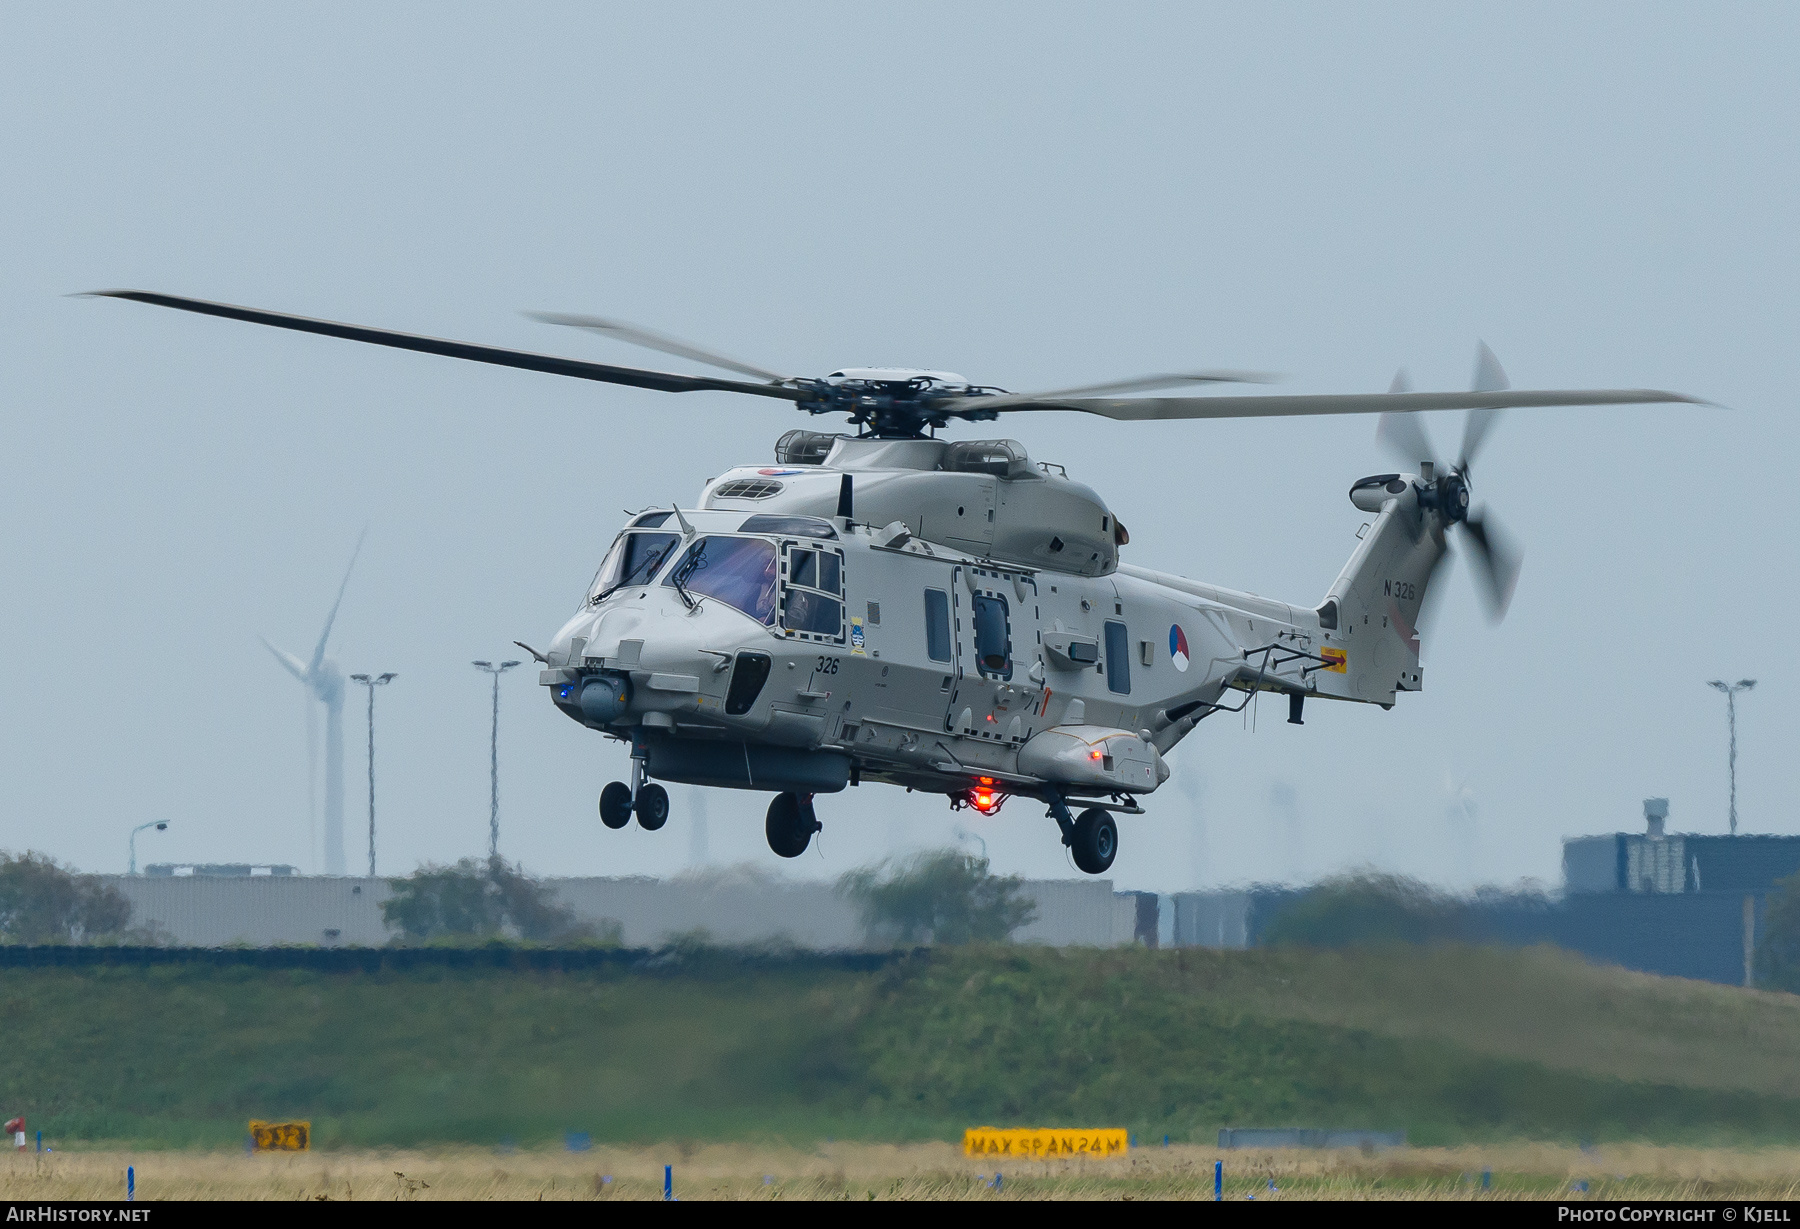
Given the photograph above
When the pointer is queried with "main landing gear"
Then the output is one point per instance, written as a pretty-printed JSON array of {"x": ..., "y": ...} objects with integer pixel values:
[
  {"x": 1093, "y": 839},
  {"x": 791, "y": 824},
  {"x": 647, "y": 800}
]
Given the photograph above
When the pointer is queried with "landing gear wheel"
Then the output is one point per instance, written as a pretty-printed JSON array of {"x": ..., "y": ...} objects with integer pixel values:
[
  {"x": 1096, "y": 841},
  {"x": 653, "y": 807},
  {"x": 615, "y": 805},
  {"x": 791, "y": 824}
]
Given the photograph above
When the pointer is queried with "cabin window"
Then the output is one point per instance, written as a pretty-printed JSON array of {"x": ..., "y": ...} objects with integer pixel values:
[
  {"x": 737, "y": 571},
  {"x": 937, "y": 625},
  {"x": 811, "y": 603},
  {"x": 1118, "y": 658},
  {"x": 633, "y": 560},
  {"x": 993, "y": 642}
]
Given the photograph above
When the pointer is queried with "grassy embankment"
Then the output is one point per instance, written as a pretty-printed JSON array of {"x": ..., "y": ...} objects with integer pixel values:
[{"x": 1454, "y": 1045}]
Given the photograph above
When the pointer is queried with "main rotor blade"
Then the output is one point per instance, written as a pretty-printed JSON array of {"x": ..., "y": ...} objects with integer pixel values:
[
  {"x": 1497, "y": 562},
  {"x": 634, "y": 377},
  {"x": 319, "y": 652},
  {"x": 1148, "y": 409},
  {"x": 650, "y": 339},
  {"x": 1137, "y": 384}
]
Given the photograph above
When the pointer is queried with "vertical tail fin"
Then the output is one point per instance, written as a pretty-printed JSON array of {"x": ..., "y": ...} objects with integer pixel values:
[{"x": 1371, "y": 614}]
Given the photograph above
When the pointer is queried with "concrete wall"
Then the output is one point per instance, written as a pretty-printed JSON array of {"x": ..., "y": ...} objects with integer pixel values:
[
  {"x": 730, "y": 907},
  {"x": 1070, "y": 913},
  {"x": 259, "y": 911},
  {"x": 1211, "y": 919}
]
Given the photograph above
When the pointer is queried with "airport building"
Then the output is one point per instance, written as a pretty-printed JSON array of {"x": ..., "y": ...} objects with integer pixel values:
[
  {"x": 1680, "y": 904},
  {"x": 228, "y": 904}
]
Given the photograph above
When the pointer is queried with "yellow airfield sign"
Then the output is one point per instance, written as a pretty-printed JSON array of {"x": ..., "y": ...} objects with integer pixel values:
[
  {"x": 1044, "y": 1143},
  {"x": 280, "y": 1136}
]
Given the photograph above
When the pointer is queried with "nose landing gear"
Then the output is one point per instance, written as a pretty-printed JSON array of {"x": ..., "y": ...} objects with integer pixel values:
[
  {"x": 647, "y": 800},
  {"x": 791, "y": 824}
]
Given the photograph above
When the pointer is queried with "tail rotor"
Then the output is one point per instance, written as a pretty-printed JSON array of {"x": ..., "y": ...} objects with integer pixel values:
[{"x": 1495, "y": 559}]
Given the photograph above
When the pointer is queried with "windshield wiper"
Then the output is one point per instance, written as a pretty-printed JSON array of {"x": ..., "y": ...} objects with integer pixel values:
[
  {"x": 641, "y": 576},
  {"x": 686, "y": 568}
]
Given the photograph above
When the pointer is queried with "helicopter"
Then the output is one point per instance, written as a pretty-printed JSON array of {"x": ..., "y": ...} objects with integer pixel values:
[{"x": 885, "y": 606}]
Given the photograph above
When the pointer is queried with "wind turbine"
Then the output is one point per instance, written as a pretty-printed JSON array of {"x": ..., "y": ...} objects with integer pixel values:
[{"x": 324, "y": 682}]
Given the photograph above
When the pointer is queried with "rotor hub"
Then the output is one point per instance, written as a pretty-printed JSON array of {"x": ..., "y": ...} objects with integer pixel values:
[
  {"x": 901, "y": 408},
  {"x": 1449, "y": 494}
]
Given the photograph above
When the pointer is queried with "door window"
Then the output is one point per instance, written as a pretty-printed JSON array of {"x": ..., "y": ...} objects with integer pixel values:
[
  {"x": 937, "y": 625},
  {"x": 812, "y": 598},
  {"x": 993, "y": 640},
  {"x": 1118, "y": 658}
]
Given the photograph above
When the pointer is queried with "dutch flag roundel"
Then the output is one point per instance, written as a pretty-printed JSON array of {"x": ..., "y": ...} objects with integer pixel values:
[{"x": 1178, "y": 651}]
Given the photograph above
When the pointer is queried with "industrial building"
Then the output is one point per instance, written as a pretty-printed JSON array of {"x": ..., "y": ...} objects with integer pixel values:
[
  {"x": 1680, "y": 904},
  {"x": 227, "y": 904}
]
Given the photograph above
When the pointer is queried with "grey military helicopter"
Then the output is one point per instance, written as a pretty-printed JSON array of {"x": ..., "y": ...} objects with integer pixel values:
[{"x": 886, "y": 606}]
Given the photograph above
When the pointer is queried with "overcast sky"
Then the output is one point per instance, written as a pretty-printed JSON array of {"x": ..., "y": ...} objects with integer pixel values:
[{"x": 1035, "y": 196}]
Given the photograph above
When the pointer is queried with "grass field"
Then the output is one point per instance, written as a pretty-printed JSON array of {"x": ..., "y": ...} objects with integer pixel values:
[
  {"x": 862, "y": 1171},
  {"x": 1457, "y": 1046}
]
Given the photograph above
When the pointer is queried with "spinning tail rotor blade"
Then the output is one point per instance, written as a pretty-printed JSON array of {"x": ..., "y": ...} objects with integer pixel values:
[
  {"x": 1435, "y": 589},
  {"x": 1490, "y": 377},
  {"x": 635, "y": 377},
  {"x": 1496, "y": 562},
  {"x": 1403, "y": 434},
  {"x": 650, "y": 339}
]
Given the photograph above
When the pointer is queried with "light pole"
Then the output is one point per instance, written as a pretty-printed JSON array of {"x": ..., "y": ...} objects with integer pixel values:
[
  {"x": 379, "y": 680},
  {"x": 1731, "y": 690},
  {"x": 494, "y": 757},
  {"x": 161, "y": 825}
]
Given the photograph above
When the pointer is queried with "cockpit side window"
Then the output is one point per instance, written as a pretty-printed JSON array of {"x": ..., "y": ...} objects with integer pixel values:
[
  {"x": 737, "y": 571},
  {"x": 633, "y": 560}
]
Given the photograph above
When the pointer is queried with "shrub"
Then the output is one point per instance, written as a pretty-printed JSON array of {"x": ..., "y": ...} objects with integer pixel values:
[
  {"x": 1778, "y": 953},
  {"x": 1367, "y": 909},
  {"x": 943, "y": 896},
  {"x": 42, "y": 902},
  {"x": 475, "y": 900}
]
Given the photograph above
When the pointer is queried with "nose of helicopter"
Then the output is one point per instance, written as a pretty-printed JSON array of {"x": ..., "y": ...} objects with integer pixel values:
[{"x": 645, "y": 658}]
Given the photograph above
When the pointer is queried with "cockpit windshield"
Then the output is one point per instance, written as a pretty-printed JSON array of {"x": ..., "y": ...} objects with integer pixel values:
[
  {"x": 633, "y": 560},
  {"x": 740, "y": 572}
]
